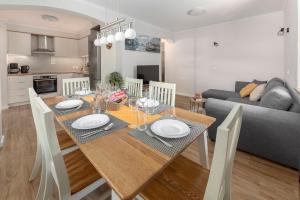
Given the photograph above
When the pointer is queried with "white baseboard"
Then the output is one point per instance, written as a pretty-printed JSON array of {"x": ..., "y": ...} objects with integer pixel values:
[{"x": 1, "y": 141}]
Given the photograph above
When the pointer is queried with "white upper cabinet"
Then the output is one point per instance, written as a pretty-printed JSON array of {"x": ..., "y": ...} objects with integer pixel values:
[
  {"x": 83, "y": 47},
  {"x": 19, "y": 43},
  {"x": 65, "y": 47}
]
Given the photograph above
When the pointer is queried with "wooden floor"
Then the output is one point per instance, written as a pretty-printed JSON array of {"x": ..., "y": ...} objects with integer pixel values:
[{"x": 253, "y": 178}]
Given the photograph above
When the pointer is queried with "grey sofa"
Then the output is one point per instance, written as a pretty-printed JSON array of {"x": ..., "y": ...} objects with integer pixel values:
[{"x": 267, "y": 131}]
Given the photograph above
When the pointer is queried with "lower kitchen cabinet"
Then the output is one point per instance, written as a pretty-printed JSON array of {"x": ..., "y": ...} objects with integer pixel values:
[{"x": 18, "y": 88}]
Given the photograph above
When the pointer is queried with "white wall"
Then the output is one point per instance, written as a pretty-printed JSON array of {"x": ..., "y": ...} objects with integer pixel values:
[
  {"x": 108, "y": 61},
  {"x": 3, "y": 72},
  {"x": 292, "y": 73},
  {"x": 249, "y": 49},
  {"x": 130, "y": 60}
]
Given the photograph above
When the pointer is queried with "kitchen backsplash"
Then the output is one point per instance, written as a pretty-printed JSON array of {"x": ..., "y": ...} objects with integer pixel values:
[{"x": 47, "y": 63}]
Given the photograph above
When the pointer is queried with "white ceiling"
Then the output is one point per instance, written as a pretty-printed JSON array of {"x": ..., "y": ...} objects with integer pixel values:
[
  {"x": 67, "y": 23},
  {"x": 171, "y": 14}
]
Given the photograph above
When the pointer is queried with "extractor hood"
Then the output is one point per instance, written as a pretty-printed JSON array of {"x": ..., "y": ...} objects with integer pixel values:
[{"x": 43, "y": 44}]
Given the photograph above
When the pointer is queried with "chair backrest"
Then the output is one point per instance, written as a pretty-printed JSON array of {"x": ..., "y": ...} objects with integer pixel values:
[
  {"x": 52, "y": 153},
  {"x": 32, "y": 95},
  {"x": 70, "y": 84},
  {"x": 218, "y": 187},
  {"x": 134, "y": 86},
  {"x": 163, "y": 92}
]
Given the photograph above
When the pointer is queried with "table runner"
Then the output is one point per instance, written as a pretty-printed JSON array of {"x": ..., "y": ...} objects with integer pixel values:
[
  {"x": 178, "y": 143},
  {"x": 118, "y": 124}
]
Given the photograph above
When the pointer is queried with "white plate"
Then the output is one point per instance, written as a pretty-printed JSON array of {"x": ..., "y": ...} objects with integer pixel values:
[
  {"x": 149, "y": 103},
  {"x": 68, "y": 104},
  {"x": 90, "y": 121},
  {"x": 170, "y": 128},
  {"x": 82, "y": 92}
]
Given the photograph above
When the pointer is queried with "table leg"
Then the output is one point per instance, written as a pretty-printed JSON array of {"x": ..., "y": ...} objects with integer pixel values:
[{"x": 203, "y": 150}]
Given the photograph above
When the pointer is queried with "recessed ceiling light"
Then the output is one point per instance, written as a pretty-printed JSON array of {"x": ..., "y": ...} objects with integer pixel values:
[
  {"x": 196, "y": 11},
  {"x": 50, "y": 18}
]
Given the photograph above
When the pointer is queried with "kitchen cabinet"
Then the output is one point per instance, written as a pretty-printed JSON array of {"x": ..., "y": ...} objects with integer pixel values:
[
  {"x": 83, "y": 47},
  {"x": 18, "y": 88},
  {"x": 65, "y": 47},
  {"x": 18, "y": 43}
]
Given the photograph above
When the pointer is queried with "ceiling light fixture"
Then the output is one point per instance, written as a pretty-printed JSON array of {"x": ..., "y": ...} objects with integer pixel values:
[
  {"x": 120, "y": 36},
  {"x": 196, "y": 11},
  {"x": 49, "y": 18}
]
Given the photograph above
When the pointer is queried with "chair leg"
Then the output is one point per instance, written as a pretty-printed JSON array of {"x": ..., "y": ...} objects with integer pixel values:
[
  {"x": 114, "y": 196},
  {"x": 37, "y": 163},
  {"x": 49, "y": 182},
  {"x": 42, "y": 185}
]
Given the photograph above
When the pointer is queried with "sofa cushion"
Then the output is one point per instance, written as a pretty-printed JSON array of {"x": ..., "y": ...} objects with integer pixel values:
[
  {"x": 257, "y": 93},
  {"x": 240, "y": 85},
  {"x": 219, "y": 94},
  {"x": 274, "y": 82},
  {"x": 277, "y": 98},
  {"x": 246, "y": 91},
  {"x": 295, "y": 108},
  {"x": 259, "y": 82},
  {"x": 243, "y": 100}
]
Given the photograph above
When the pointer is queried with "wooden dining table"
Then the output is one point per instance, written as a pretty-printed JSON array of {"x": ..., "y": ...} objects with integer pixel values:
[{"x": 126, "y": 163}]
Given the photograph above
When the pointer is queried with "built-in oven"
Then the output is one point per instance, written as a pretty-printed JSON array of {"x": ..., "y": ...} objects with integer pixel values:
[{"x": 45, "y": 84}]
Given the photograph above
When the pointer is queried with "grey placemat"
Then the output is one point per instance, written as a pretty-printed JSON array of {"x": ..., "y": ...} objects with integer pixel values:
[
  {"x": 85, "y": 105},
  {"x": 157, "y": 110},
  {"x": 118, "y": 124},
  {"x": 178, "y": 143}
]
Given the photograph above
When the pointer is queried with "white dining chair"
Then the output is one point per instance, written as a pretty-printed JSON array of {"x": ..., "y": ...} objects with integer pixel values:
[
  {"x": 65, "y": 142},
  {"x": 184, "y": 179},
  {"x": 163, "y": 92},
  {"x": 70, "y": 85},
  {"x": 73, "y": 174},
  {"x": 134, "y": 86}
]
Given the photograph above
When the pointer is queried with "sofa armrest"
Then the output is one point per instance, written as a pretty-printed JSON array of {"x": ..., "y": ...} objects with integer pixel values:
[
  {"x": 239, "y": 85},
  {"x": 269, "y": 133}
]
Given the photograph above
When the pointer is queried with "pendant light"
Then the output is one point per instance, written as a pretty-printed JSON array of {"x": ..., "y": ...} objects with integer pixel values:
[
  {"x": 120, "y": 36},
  {"x": 103, "y": 40},
  {"x": 97, "y": 42},
  {"x": 130, "y": 32},
  {"x": 111, "y": 38}
]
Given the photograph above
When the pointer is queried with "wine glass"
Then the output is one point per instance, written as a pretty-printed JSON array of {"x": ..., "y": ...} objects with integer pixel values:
[{"x": 142, "y": 116}]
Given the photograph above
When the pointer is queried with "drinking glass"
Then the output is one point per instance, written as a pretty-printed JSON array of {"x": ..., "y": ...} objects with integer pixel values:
[
  {"x": 142, "y": 116},
  {"x": 134, "y": 112},
  {"x": 105, "y": 96},
  {"x": 96, "y": 106},
  {"x": 76, "y": 94},
  {"x": 170, "y": 112}
]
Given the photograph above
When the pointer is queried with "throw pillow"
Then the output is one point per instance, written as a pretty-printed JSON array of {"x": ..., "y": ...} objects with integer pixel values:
[
  {"x": 259, "y": 82},
  {"x": 247, "y": 89},
  {"x": 257, "y": 93},
  {"x": 295, "y": 108},
  {"x": 277, "y": 98}
]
